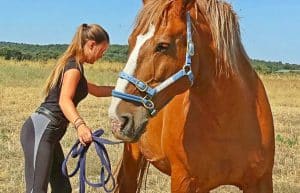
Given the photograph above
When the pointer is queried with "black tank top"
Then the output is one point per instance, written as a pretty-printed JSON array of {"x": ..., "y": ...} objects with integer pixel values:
[{"x": 52, "y": 100}]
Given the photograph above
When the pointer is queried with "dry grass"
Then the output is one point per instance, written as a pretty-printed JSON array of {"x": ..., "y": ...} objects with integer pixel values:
[{"x": 20, "y": 94}]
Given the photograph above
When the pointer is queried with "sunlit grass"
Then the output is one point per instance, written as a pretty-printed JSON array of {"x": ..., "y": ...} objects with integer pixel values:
[{"x": 20, "y": 93}]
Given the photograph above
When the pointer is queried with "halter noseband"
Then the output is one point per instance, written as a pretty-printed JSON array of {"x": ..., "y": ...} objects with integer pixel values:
[{"x": 151, "y": 92}]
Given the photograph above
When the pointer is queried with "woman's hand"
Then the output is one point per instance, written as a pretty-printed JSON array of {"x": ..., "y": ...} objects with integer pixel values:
[{"x": 84, "y": 134}]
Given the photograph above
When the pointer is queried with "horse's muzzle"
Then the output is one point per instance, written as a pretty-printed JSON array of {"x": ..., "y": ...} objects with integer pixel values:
[{"x": 129, "y": 127}]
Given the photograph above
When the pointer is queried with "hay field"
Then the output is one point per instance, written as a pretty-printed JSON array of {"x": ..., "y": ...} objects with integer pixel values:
[{"x": 20, "y": 93}]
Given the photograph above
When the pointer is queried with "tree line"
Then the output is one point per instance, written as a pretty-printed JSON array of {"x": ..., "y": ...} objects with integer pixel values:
[
  {"x": 269, "y": 67},
  {"x": 115, "y": 53},
  {"x": 20, "y": 51}
]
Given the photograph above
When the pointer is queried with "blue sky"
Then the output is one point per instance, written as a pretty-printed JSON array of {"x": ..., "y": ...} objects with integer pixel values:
[{"x": 270, "y": 28}]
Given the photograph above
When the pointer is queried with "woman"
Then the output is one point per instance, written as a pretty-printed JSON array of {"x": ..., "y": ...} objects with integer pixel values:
[{"x": 65, "y": 88}]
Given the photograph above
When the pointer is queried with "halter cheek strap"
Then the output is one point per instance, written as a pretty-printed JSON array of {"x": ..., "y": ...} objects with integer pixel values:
[
  {"x": 151, "y": 92},
  {"x": 140, "y": 85}
]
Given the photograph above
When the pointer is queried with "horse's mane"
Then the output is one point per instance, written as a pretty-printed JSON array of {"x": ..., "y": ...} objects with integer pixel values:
[
  {"x": 223, "y": 23},
  {"x": 152, "y": 13},
  {"x": 225, "y": 30}
]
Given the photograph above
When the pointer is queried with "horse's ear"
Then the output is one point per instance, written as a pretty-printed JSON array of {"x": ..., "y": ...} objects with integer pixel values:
[
  {"x": 145, "y": 1},
  {"x": 182, "y": 6},
  {"x": 187, "y": 4}
]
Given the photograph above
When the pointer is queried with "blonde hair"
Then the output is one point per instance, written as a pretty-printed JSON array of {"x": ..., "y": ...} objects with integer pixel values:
[{"x": 84, "y": 33}]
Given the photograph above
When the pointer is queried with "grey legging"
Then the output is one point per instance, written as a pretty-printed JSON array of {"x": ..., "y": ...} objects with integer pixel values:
[{"x": 40, "y": 138}]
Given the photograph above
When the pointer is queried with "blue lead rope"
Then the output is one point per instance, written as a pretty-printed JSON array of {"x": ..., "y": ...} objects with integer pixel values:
[{"x": 78, "y": 150}]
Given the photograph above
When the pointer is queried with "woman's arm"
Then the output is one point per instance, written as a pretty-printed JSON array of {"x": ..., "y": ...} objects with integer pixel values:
[
  {"x": 68, "y": 89},
  {"x": 100, "y": 91}
]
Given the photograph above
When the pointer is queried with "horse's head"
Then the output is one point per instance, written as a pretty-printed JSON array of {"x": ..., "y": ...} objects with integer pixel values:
[{"x": 159, "y": 66}]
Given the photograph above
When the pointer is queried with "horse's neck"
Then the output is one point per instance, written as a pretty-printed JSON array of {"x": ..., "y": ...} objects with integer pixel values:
[{"x": 215, "y": 89}]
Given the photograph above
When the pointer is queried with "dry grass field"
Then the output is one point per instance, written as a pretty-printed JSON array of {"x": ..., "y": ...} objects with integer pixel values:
[{"x": 20, "y": 93}]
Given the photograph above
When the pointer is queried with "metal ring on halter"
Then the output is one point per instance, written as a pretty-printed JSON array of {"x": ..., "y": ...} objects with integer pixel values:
[
  {"x": 187, "y": 68},
  {"x": 148, "y": 104}
]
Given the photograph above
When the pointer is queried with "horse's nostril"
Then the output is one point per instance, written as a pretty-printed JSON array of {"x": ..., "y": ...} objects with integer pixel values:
[{"x": 127, "y": 122}]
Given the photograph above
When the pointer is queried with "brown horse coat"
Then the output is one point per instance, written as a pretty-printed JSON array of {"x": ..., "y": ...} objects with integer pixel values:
[{"x": 220, "y": 130}]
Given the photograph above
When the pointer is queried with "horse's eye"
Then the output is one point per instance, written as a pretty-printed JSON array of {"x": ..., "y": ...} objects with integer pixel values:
[{"x": 162, "y": 47}]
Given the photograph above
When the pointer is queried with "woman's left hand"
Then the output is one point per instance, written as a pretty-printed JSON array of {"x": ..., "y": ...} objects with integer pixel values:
[{"x": 84, "y": 134}]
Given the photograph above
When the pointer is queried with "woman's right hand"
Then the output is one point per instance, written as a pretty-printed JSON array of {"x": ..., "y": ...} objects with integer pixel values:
[{"x": 84, "y": 134}]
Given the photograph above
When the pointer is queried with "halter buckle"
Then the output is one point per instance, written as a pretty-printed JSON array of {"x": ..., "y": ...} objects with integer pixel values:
[
  {"x": 145, "y": 86},
  {"x": 191, "y": 48}
]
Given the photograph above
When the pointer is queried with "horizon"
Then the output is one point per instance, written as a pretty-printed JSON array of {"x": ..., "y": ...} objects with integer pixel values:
[
  {"x": 269, "y": 29},
  {"x": 257, "y": 59}
]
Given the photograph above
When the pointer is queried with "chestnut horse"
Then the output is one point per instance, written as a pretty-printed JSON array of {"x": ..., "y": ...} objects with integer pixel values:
[{"x": 189, "y": 102}]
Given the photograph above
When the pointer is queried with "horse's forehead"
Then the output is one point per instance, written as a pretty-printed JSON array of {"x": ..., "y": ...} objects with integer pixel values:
[
  {"x": 140, "y": 41},
  {"x": 142, "y": 38}
]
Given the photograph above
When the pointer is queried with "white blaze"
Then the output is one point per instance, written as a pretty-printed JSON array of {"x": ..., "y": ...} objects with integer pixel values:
[{"x": 129, "y": 69}]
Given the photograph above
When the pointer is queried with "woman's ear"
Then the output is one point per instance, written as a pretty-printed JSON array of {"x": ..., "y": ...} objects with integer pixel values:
[
  {"x": 90, "y": 44},
  {"x": 93, "y": 44}
]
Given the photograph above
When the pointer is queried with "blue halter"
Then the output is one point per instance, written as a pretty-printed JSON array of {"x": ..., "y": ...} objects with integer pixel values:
[{"x": 151, "y": 92}]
